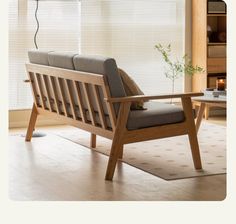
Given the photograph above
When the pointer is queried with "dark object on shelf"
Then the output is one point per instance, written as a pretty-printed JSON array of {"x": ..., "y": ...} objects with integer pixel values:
[
  {"x": 209, "y": 30},
  {"x": 220, "y": 84},
  {"x": 212, "y": 80},
  {"x": 222, "y": 37},
  {"x": 216, "y": 37},
  {"x": 216, "y": 7}
]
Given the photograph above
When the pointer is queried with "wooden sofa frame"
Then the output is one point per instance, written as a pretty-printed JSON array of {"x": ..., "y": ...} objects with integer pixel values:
[{"x": 44, "y": 77}]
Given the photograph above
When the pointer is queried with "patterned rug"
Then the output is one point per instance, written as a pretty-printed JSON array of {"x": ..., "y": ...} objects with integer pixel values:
[{"x": 168, "y": 158}]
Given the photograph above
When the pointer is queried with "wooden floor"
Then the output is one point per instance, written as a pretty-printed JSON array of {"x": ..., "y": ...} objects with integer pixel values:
[{"x": 51, "y": 168}]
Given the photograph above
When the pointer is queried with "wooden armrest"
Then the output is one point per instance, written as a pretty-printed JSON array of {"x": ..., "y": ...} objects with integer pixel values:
[
  {"x": 145, "y": 98},
  {"x": 26, "y": 80}
]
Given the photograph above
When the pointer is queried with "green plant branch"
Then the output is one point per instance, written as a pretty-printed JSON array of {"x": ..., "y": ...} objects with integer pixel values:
[{"x": 176, "y": 69}]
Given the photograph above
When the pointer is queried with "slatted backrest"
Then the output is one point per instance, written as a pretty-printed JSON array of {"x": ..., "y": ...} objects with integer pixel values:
[
  {"x": 65, "y": 92},
  {"x": 104, "y": 66}
]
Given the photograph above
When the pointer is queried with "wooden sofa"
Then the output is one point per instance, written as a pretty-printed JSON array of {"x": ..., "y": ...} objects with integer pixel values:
[{"x": 87, "y": 92}]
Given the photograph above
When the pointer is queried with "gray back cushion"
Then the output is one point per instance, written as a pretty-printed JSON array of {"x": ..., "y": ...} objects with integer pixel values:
[
  {"x": 92, "y": 64},
  {"x": 104, "y": 66},
  {"x": 38, "y": 57},
  {"x": 61, "y": 59}
]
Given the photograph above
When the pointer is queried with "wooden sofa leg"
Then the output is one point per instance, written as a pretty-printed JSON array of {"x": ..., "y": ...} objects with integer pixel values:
[
  {"x": 192, "y": 132},
  {"x": 93, "y": 141},
  {"x": 117, "y": 146},
  {"x": 32, "y": 122},
  {"x": 195, "y": 149},
  {"x": 117, "y": 143},
  {"x": 121, "y": 152}
]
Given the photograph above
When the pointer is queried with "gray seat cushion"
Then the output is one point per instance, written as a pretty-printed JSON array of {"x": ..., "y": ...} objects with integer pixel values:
[{"x": 156, "y": 114}]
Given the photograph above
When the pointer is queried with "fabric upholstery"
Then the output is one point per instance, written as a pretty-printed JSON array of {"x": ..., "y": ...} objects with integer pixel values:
[
  {"x": 38, "y": 57},
  {"x": 156, "y": 114},
  {"x": 131, "y": 89},
  {"x": 104, "y": 66},
  {"x": 61, "y": 59}
]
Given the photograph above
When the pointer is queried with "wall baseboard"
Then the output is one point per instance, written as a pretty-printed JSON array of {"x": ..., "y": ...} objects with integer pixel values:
[{"x": 20, "y": 119}]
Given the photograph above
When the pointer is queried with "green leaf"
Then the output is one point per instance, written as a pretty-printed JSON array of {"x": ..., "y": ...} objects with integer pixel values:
[{"x": 177, "y": 68}]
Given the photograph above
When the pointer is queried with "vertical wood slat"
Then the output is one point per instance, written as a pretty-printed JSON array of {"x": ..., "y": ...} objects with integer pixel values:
[
  {"x": 72, "y": 104},
  {"x": 55, "y": 97},
  {"x": 33, "y": 86},
  {"x": 100, "y": 107},
  {"x": 79, "y": 99},
  {"x": 45, "y": 83},
  {"x": 62, "y": 95},
  {"x": 40, "y": 90},
  {"x": 89, "y": 104},
  {"x": 110, "y": 108}
]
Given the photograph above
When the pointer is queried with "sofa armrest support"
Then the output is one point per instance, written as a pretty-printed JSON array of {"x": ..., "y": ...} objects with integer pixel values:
[{"x": 153, "y": 97}]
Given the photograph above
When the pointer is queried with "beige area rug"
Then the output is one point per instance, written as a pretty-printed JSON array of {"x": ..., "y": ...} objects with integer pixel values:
[{"x": 168, "y": 158}]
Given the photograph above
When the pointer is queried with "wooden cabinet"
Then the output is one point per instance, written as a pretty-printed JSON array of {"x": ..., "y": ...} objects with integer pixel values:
[
  {"x": 208, "y": 43},
  {"x": 216, "y": 65}
]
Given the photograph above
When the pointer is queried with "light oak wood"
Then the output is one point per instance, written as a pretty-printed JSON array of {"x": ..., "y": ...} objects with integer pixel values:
[
  {"x": 120, "y": 156},
  {"x": 89, "y": 103},
  {"x": 45, "y": 84},
  {"x": 62, "y": 96},
  {"x": 93, "y": 141},
  {"x": 110, "y": 108},
  {"x": 33, "y": 86},
  {"x": 99, "y": 105},
  {"x": 200, "y": 42},
  {"x": 77, "y": 123},
  {"x": 146, "y": 98},
  {"x": 204, "y": 107},
  {"x": 39, "y": 84},
  {"x": 216, "y": 65},
  {"x": 72, "y": 103},
  {"x": 163, "y": 131},
  {"x": 52, "y": 83},
  {"x": 207, "y": 111},
  {"x": 92, "y": 78},
  {"x": 80, "y": 102},
  {"x": 117, "y": 143},
  {"x": 210, "y": 105},
  {"x": 192, "y": 133},
  {"x": 32, "y": 122},
  {"x": 118, "y": 132},
  {"x": 200, "y": 115}
]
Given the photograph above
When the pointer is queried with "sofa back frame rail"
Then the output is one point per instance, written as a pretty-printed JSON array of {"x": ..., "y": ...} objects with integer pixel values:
[{"x": 42, "y": 80}]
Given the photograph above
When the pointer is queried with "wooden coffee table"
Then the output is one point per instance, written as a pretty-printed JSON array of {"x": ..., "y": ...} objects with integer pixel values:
[{"x": 205, "y": 102}]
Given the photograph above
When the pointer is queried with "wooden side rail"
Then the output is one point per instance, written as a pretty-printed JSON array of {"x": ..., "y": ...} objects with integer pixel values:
[
  {"x": 145, "y": 97},
  {"x": 123, "y": 136}
]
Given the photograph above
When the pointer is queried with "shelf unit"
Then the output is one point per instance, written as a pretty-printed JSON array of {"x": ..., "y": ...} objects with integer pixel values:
[{"x": 208, "y": 45}]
